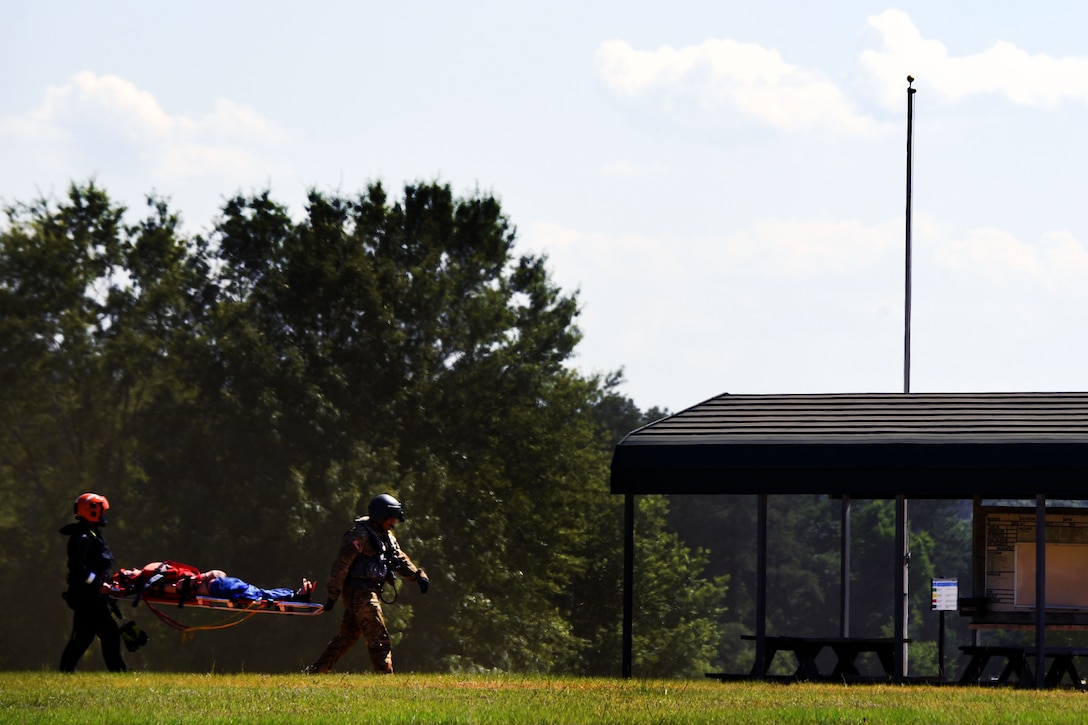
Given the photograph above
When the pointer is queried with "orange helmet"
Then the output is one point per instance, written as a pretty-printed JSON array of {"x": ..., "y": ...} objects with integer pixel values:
[{"x": 92, "y": 508}]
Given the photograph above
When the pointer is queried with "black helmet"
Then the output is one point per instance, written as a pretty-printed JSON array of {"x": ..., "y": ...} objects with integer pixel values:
[{"x": 383, "y": 506}]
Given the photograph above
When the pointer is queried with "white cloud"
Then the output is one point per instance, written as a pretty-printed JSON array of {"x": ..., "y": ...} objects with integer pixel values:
[
  {"x": 700, "y": 82},
  {"x": 630, "y": 169},
  {"x": 782, "y": 298},
  {"x": 780, "y": 250},
  {"x": 804, "y": 251},
  {"x": 992, "y": 252},
  {"x": 1058, "y": 261},
  {"x": 1036, "y": 80},
  {"x": 787, "y": 304},
  {"x": 108, "y": 122},
  {"x": 812, "y": 248},
  {"x": 727, "y": 75},
  {"x": 1067, "y": 258}
]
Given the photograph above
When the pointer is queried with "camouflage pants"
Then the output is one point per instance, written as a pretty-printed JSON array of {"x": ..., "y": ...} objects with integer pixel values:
[{"x": 362, "y": 616}]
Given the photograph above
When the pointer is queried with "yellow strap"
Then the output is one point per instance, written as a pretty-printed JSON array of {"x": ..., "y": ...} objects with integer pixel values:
[{"x": 187, "y": 632}]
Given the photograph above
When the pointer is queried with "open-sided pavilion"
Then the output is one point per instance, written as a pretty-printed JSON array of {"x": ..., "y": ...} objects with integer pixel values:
[{"x": 897, "y": 446}]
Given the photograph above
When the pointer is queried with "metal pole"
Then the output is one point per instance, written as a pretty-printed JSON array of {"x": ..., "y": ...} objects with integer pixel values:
[
  {"x": 1040, "y": 591},
  {"x": 844, "y": 570},
  {"x": 902, "y": 535},
  {"x": 906, "y": 303},
  {"x": 902, "y": 610},
  {"x": 940, "y": 647},
  {"x": 761, "y": 584},
  {"x": 628, "y": 582}
]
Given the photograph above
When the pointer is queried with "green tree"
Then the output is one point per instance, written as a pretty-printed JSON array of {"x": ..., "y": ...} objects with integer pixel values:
[
  {"x": 87, "y": 307},
  {"x": 58, "y": 438},
  {"x": 679, "y": 611},
  {"x": 241, "y": 396}
]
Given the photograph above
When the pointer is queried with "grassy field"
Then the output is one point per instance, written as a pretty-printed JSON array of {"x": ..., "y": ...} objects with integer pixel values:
[{"x": 95, "y": 697}]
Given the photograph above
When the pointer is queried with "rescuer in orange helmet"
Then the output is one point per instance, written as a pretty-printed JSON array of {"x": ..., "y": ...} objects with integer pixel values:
[{"x": 90, "y": 566}]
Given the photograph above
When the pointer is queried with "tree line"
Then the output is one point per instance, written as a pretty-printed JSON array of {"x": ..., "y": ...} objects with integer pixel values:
[{"x": 240, "y": 394}]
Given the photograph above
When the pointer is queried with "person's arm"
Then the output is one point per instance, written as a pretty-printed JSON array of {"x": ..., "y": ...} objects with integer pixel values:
[
  {"x": 404, "y": 567},
  {"x": 81, "y": 563},
  {"x": 349, "y": 549}
]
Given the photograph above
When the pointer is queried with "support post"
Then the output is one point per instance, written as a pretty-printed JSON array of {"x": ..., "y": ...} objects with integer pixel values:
[
  {"x": 761, "y": 584},
  {"x": 1040, "y": 590},
  {"x": 978, "y": 556},
  {"x": 844, "y": 570},
  {"x": 902, "y": 610},
  {"x": 940, "y": 646},
  {"x": 628, "y": 582}
]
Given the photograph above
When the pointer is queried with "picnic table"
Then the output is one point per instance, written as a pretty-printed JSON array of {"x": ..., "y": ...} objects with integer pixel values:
[
  {"x": 806, "y": 650},
  {"x": 1016, "y": 669}
]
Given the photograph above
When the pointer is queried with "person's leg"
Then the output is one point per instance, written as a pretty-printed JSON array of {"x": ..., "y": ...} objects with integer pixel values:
[
  {"x": 110, "y": 637},
  {"x": 345, "y": 638},
  {"x": 229, "y": 587},
  {"x": 377, "y": 635},
  {"x": 83, "y": 631}
]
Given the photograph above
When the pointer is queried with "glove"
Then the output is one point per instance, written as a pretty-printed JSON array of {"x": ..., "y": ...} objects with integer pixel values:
[
  {"x": 329, "y": 604},
  {"x": 132, "y": 636},
  {"x": 424, "y": 583}
]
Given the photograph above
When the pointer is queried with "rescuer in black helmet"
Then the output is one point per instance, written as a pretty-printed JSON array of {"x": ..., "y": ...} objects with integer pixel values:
[
  {"x": 383, "y": 506},
  {"x": 369, "y": 556}
]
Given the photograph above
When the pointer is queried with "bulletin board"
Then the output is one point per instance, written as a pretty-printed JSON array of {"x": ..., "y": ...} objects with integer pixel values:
[{"x": 1010, "y": 560}]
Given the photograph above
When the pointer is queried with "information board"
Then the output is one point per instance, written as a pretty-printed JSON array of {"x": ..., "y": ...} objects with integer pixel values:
[
  {"x": 1010, "y": 560},
  {"x": 945, "y": 594}
]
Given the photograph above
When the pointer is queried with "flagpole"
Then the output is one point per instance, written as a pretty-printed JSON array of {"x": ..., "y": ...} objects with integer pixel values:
[
  {"x": 906, "y": 305},
  {"x": 902, "y": 520}
]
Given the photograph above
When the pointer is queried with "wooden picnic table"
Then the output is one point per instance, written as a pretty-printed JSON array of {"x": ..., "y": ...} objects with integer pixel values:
[
  {"x": 807, "y": 649},
  {"x": 1016, "y": 669}
]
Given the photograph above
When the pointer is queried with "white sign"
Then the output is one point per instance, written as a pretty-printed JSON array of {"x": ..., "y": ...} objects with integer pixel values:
[{"x": 946, "y": 594}]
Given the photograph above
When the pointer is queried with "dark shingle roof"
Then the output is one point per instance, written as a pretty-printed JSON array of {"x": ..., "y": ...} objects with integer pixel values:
[{"x": 875, "y": 445}]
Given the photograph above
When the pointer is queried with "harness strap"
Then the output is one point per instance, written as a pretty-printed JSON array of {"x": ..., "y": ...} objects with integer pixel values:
[{"x": 187, "y": 632}]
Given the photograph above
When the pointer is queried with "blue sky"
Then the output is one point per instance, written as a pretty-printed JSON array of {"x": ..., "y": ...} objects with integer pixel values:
[{"x": 722, "y": 182}]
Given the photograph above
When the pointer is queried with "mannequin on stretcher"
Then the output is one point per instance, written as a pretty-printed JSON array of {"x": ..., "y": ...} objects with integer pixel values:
[{"x": 173, "y": 581}]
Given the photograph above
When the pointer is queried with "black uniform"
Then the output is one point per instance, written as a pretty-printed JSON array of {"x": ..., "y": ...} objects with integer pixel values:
[{"x": 90, "y": 563}]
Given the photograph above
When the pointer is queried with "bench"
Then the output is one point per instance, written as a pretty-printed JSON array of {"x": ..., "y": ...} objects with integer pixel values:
[
  {"x": 807, "y": 649},
  {"x": 1017, "y": 670}
]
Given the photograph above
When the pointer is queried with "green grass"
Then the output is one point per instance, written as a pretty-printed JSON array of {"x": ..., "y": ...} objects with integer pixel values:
[{"x": 96, "y": 697}]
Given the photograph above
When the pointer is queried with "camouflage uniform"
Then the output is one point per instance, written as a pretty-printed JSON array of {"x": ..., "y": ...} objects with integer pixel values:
[{"x": 367, "y": 557}]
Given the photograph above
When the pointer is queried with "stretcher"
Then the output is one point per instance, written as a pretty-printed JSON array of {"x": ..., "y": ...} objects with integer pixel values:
[
  {"x": 132, "y": 586},
  {"x": 237, "y": 611},
  {"x": 263, "y": 606}
]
